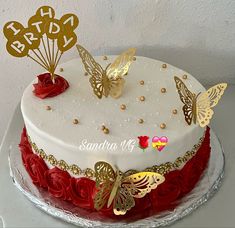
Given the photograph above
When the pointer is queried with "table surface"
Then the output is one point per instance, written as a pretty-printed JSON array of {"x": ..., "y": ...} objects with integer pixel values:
[{"x": 217, "y": 212}]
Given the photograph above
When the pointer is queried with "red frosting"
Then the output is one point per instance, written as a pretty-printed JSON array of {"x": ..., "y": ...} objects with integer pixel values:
[
  {"x": 81, "y": 191},
  {"x": 46, "y": 88}
]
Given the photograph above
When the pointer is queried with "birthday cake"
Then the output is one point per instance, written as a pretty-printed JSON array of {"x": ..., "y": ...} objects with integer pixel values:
[{"x": 120, "y": 136}]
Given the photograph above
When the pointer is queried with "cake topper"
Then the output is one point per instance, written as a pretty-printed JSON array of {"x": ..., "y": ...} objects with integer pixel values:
[
  {"x": 198, "y": 107},
  {"x": 119, "y": 190},
  {"x": 44, "y": 40},
  {"x": 108, "y": 81}
]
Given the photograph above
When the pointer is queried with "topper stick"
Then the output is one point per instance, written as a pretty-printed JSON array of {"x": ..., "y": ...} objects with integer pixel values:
[
  {"x": 45, "y": 63},
  {"x": 56, "y": 56},
  {"x": 44, "y": 46},
  {"x": 37, "y": 62},
  {"x": 53, "y": 47},
  {"x": 49, "y": 50},
  {"x": 61, "y": 53}
]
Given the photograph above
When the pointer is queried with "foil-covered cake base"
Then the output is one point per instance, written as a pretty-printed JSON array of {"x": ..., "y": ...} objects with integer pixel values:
[{"x": 207, "y": 186}]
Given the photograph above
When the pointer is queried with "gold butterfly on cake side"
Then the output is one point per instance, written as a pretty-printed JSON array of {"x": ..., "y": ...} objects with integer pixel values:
[
  {"x": 198, "y": 107},
  {"x": 120, "y": 191},
  {"x": 108, "y": 81}
]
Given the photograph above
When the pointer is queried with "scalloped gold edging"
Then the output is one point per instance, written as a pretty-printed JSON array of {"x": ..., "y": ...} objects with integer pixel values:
[{"x": 90, "y": 173}]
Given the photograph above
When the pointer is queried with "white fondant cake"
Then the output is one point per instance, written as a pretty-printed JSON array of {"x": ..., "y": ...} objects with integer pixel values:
[{"x": 54, "y": 131}]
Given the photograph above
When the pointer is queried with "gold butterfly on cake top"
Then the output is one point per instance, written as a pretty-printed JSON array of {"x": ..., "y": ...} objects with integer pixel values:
[
  {"x": 108, "y": 81},
  {"x": 198, "y": 107},
  {"x": 119, "y": 190}
]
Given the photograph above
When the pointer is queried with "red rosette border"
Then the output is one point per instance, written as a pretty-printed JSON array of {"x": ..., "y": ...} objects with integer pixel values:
[
  {"x": 46, "y": 88},
  {"x": 81, "y": 191}
]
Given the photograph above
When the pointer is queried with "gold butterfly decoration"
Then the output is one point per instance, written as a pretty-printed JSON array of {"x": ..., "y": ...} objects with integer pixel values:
[
  {"x": 120, "y": 191},
  {"x": 198, "y": 107},
  {"x": 44, "y": 40},
  {"x": 108, "y": 81}
]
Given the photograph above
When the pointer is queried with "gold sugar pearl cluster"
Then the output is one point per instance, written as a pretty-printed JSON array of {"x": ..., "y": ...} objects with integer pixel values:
[{"x": 105, "y": 129}]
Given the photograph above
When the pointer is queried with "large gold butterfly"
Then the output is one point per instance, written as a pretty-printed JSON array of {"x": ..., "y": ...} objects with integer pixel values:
[
  {"x": 198, "y": 107},
  {"x": 119, "y": 190},
  {"x": 108, "y": 81}
]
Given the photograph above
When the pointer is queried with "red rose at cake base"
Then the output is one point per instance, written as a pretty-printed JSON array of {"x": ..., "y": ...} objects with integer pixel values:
[
  {"x": 36, "y": 168},
  {"x": 47, "y": 88},
  {"x": 58, "y": 181},
  {"x": 81, "y": 192}
]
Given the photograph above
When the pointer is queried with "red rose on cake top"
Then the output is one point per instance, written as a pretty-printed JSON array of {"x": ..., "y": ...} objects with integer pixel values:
[{"x": 47, "y": 88}]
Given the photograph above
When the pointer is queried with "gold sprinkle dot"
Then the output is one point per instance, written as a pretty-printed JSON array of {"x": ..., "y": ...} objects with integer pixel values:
[
  {"x": 174, "y": 111},
  {"x": 105, "y": 57},
  {"x": 142, "y": 98},
  {"x": 142, "y": 82},
  {"x": 103, "y": 127},
  {"x": 141, "y": 121},
  {"x": 134, "y": 58},
  {"x": 86, "y": 74},
  {"x": 185, "y": 76},
  {"x": 48, "y": 107},
  {"x": 123, "y": 106},
  {"x": 61, "y": 69},
  {"x": 164, "y": 66},
  {"x": 163, "y": 90},
  {"x": 163, "y": 126},
  {"x": 75, "y": 121},
  {"x": 106, "y": 131}
]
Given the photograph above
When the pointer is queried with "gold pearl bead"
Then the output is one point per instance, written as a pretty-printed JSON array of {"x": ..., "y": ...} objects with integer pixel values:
[
  {"x": 48, "y": 107},
  {"x": 142, "y": 82},
  {"x": 106, "y": 130},
  {"x": 123, "y": 107},
  {"x": 75, "y": 121},
  {"x": 86, "y": 74},
  {"x": 141, "y": 121},
  {"x": 163, "y": 90},
  {"x": 163, "y": 126},
  {"x": 185, "y": 76},
  {"x": 61, "y": 69},
  {"x": 164, "y": 66},
  {"x": 142, "y": 98},
  {"x": 134, "y": 58},
  {"x": 174, "y": 111},
  {"x": 105, "y": 57}
]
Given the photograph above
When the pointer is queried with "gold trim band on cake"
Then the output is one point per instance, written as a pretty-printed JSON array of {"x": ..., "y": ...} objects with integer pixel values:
[{"x": 90, "y": 173}]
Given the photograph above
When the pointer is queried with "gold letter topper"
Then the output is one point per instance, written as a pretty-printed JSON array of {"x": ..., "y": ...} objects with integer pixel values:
[
  {"x": 44, "y": 40},
  {"x": 198, "y": 107},
  {"x": 107, "y": 81},
  {"x": 114, "y": 188}
]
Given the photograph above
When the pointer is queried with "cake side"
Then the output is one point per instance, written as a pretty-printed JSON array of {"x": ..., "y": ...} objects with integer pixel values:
[{"x": 54, "y": 132}]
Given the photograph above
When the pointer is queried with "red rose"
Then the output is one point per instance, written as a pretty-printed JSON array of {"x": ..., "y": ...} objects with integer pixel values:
[
  {"x": 24, "y": 146},
  {"x": 81, "y": 191},
  {"x": 36, "y": 168},
  {"x": 58, "y": 182},
  {"x": 46, "y": 88},
  {"x": 164, "y": 196},
  {"x": 143, "y": 142}
]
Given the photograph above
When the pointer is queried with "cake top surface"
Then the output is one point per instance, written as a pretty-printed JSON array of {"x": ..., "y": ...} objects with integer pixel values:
[{"x": 79, "y": 102}]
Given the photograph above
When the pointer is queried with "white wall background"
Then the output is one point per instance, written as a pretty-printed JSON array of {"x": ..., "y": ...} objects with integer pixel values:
[{"x": 197, "y": 36}]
